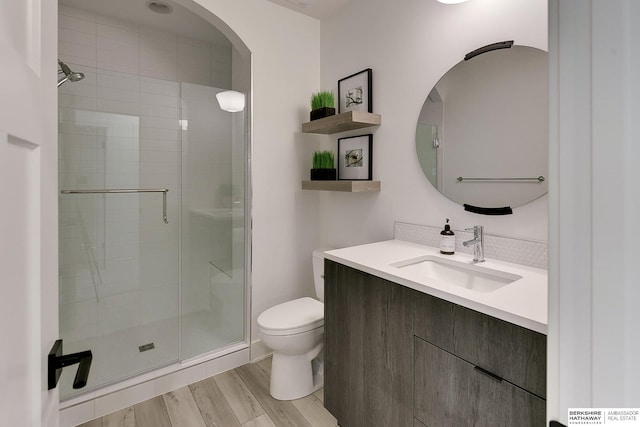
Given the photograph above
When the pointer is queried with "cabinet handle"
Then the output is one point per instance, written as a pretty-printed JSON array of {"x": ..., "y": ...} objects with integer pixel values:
[{"x": 487, "y": 373}]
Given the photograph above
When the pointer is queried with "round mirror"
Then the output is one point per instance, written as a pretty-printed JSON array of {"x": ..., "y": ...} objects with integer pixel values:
[{"x": 481, "y": 137}]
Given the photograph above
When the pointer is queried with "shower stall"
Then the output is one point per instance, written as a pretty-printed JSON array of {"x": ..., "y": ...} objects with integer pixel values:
[{"x": 152, "y": 219}]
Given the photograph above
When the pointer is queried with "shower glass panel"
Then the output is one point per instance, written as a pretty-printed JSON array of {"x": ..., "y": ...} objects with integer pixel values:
[
  {"x": 136, "y": 291},
  {"x": 426, "y": 135},
  {"x": 213, "y": 200}
]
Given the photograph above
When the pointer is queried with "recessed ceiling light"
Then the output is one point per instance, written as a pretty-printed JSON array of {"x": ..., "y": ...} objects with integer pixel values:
[
  {"x": 452, "y": 1},
  {"x": 158, "y": 6}
]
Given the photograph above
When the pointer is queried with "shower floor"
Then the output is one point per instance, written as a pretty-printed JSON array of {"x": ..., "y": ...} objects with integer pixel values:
[{"x": 117, "y": 356}]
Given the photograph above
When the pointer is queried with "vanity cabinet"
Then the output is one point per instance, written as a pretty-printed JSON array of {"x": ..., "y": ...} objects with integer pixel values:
[
  {"x": 470, "y": 366},
  {"x": 450, "y": 391},
  {"x": 368, "y": 324},
  {"x": 398, "y": 357}
]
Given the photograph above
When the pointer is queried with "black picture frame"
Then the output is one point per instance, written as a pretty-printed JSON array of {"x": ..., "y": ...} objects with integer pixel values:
[
  {"x": 355, "y": 93},
  {"x": 355, "y": 158}
]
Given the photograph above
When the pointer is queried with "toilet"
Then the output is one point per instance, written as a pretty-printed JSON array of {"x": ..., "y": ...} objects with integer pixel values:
[{"x": 294, "y": 331}]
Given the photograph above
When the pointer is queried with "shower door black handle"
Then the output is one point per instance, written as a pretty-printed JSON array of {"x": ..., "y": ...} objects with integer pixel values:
[{"x": 57, "y": 361}]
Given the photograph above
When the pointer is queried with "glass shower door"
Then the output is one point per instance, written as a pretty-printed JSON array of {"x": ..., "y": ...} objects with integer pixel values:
[
  {"x": 119, "y": 266},
  {"x": 139, "y": 292},
  {"x": 213, "y": 223},
  {"x": 427, "y": 149}
]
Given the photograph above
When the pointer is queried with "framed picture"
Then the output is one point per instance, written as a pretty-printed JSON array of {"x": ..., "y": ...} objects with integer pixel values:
[
  {"x": 354, "y": 158},
  {"x": 354, "y": 92}
]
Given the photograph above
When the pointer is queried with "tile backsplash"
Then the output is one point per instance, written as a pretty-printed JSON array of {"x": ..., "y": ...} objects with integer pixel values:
[{"x": 518, "y": 251}]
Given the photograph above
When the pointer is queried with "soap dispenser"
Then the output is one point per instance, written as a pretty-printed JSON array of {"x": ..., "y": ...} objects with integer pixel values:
[{"x": 447, "y": 240}]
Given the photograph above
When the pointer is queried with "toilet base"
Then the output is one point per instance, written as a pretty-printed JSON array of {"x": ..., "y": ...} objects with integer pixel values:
[{"x": 293, "y": 377}]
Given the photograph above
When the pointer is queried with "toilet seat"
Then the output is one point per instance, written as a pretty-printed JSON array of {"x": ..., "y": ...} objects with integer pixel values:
[{"x": 292, "y": 317}]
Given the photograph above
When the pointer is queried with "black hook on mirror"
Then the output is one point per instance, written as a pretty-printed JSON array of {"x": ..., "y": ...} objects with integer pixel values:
[{"x": 488, "y": 48}]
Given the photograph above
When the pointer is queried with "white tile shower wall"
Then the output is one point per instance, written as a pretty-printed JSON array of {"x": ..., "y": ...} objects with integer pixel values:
[
  {"x": 119, "y": 128},
  {"x": 77, "y": 37},
  {"x": 221, "y": 62},
  {"x": 118, "y": 46},
  {"x": 92, "y": 40},
  {"x": 524, "y": 252},
  {"x": 158, "y": 53},
  {"x": 194, "y": 59}
]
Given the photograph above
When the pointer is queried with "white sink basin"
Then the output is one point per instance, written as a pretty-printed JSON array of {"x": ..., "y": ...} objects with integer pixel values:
[{"x": 450, "y": 272}]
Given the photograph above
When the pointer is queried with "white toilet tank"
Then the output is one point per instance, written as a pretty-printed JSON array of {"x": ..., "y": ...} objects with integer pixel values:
[{"x": 318, "y": 272}]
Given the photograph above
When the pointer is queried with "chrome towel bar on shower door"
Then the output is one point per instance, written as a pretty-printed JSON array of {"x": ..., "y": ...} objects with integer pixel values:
[{"x": 128, "y": 190}]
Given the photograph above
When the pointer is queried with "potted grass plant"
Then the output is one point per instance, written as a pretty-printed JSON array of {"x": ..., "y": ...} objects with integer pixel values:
[
  {"x": 323, "y": 166},
  {"x": 322, "y": 105}
]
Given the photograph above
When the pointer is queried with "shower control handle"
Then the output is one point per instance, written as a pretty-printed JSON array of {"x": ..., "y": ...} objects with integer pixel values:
[{"x": 57, "y": 361}]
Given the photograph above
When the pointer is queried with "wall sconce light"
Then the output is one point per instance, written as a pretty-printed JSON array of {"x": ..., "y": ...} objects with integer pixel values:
[{"x": 231, "y": 101}]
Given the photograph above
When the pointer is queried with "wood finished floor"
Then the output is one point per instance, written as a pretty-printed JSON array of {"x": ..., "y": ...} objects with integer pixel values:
[{"x": 236, "y": 398}]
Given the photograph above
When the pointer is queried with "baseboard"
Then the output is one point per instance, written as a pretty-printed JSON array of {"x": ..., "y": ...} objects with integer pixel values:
[{"x": 259, "y": 351}]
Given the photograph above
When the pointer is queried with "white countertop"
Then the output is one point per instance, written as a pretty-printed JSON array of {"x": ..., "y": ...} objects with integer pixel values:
[{"x": 523, "y": 302}]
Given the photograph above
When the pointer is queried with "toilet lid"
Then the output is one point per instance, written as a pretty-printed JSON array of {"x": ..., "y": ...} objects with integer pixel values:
[{"x": 291, "y": 317}]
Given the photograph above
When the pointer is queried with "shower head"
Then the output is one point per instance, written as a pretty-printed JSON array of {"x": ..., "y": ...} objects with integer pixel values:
[
  {"x": 76, "y": 77},
  {"x": 64, "y": 68},
  {"x": 67, "y": 74}
]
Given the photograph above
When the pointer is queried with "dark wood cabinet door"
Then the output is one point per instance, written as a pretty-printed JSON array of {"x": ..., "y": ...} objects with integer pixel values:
[
  {"x": 369, "y": 351},
  {"x": 344, "y": 391},
  {"x": 434, "y": 321},
  {"x": 514, "y": 353},
  {"x": 417, "y": 423},
  {"x": 388, "y": 354},
  {"x": 451, "y": 392}
]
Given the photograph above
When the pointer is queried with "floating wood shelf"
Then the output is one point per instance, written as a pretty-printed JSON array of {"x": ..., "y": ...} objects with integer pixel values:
[
  {"x": 348, "y": 186},
  {"x": 342, "y": 122}
]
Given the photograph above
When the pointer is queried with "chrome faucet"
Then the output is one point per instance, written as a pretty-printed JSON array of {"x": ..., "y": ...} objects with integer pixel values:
[{"x": 477, "y": 242}]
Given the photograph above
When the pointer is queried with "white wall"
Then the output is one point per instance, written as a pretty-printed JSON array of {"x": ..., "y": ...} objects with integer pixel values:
[
  {"x": 409, "y": 47},
  {"x": 285, "y": 53}
]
